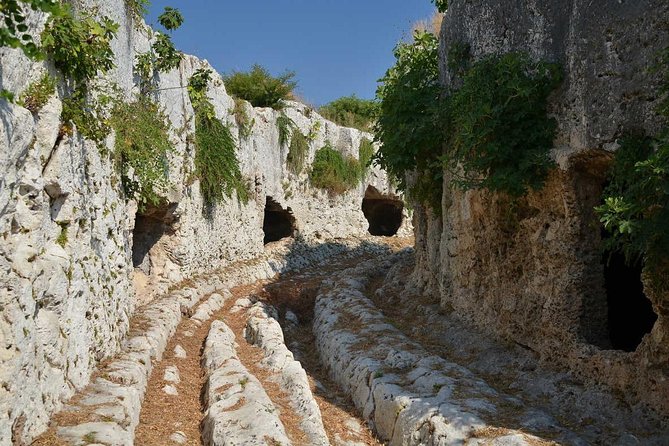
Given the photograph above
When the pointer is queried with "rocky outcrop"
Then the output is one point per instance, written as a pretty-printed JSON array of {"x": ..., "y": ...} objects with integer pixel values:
[
  {"x": 534, "y": 273},
  {"x": 77, "y": 258}
]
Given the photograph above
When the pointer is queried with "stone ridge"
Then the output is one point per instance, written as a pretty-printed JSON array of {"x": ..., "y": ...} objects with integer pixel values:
[{"x": 69, "y": 285}]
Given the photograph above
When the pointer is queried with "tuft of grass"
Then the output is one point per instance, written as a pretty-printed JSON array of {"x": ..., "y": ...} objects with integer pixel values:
[
  {"x": 297, "y": 153},
  {"x": 260, "y": 88},
  {"x": 242, "y": 118},
  {"x": 334, "y": 172},
  {"x": 285, "y": 126},
  {"x": 38, "y": 93},
  {"x": 62, "y": 237}
]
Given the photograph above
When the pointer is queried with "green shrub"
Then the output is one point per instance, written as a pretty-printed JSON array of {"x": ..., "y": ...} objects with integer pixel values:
[
  {"x": 636, "y": 201},
  {"x": 14, "y": 32},
  {"x": 285, "y": 126},
  {"x": 79, "y": 48},
  {"x": 493, "y": 132},
  {"x": 242, "y": 118},
  {"x": 260, "y": 88},
  {"x": 351, "y": 111},
  {"x": 143, "y": 145},
  {"x": 499, "y": 135},
  {"x": 38, "y": 93},
  {"x": 297, "y": 152},
  {"x": 365, "y": 154},
  {"x": 167, "y": 57},
  {"x": 334, "y": 172},
  {"x": 197, "y": 85},
  {"x": 163, "y": 56},
  {"x": 409, "y": 127},
  {"x": 314, "y": 130}
]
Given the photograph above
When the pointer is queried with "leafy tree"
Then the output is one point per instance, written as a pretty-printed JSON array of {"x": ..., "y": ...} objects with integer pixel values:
[
  {"x": 171, "y": 18},
  {"x": 260, "y": 88},
  {"x": 409, "y": 126}
]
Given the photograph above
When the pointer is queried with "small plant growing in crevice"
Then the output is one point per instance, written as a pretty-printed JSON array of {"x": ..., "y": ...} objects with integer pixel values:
[
  {"x": 62, "y": 236},
  {"x": 260, "y": 88},
  {"x": 314, "y": 131},
  {"x": 333, "y": 171},
  {"x": 89, "y": 116},
  {"x": 141, "y": 150},
  {"x": 285, "y": 126},
  {"x": 242, "y": 118},
  {"x": 365, "y": 155},
  {"x": 38, "y": 93},
  {"x": 297, "y": 152}
]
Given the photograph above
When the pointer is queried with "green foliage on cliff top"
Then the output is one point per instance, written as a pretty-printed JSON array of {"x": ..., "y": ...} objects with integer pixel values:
[
  {"x": 492, "y": 132},
  {"x": 260, "y": 88},
  {"x": 351, "y": 111},
  {"x": 442, "y": 5},
  {"x": 409, "y": 126}
]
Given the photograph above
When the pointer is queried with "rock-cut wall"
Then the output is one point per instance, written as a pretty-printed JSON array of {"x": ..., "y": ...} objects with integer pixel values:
[
  {"x": 77, "y": 258},
  {"x": 535, "y": 275}
]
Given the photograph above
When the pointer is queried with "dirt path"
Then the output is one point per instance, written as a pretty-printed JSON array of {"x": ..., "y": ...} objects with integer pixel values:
[{"x": 164, "y": 416}]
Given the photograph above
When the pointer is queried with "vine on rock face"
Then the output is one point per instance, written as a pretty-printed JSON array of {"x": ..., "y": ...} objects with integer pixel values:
[
  {"x": 285, "y": 125},
  {"x": 216, "y": 163},
  {"x": 297, "y": 152},
  {"x": 636, "y": 201},
  {"x": 142, "y": 149},
  {"x": 499, "y": 135}
]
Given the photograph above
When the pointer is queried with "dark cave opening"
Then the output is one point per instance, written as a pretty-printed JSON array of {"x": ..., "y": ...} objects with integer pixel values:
[
  {"x": 630, "y": 312},
  {"x": 151, "y": 224},
  {"x": 383, "y": 212},
  {"x": 279, "y": 223}
]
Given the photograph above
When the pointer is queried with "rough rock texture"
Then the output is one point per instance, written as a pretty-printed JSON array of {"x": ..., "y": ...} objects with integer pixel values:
[
  {"x": 263, "y": 330},
  {"x": 535, "y": 276},
  {"x": 68, "y": 286},
  {"x": 409, "y": 396},
  {"x": 238, "y": 409}
]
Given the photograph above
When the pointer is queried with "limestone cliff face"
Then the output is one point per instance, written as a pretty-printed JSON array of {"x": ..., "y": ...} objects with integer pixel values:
[
  {"x": 535, "y": 275},
  {"x": 68, "y": 284}
]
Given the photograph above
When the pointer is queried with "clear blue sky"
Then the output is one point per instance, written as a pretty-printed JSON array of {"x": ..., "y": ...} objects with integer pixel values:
[{"x": 336, "y": 47}]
